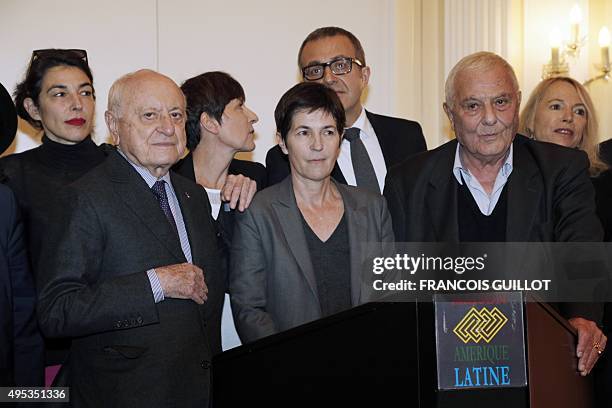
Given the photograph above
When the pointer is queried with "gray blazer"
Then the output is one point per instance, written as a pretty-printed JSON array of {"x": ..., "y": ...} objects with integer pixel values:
[{"x": 272, "y": 281}]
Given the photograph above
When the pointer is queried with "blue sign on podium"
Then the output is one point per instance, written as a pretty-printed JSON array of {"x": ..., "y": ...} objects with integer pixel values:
[{"x": 480, "y": 340}]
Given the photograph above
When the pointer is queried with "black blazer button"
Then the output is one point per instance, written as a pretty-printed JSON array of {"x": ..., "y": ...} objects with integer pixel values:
[
  {"x": 139, "y": 320},
  {"x": 205, "y": 364},
  {"x": 118, "y": 325}
]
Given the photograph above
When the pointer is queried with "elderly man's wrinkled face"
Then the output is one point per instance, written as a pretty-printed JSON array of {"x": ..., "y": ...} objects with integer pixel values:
[
  {"x": 484, "y": 113},
  {"x": 151, "y": 126}
]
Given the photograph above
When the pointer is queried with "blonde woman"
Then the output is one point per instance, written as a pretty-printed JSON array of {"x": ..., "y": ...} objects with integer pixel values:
[{"x": 560, "y": 111}]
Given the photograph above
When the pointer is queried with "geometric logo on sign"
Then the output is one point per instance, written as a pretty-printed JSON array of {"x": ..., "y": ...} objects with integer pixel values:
[{"x": 480, "y": 325}]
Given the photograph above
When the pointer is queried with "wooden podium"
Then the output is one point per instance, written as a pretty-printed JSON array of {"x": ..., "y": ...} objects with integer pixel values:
[
  {"x": 566, "y": 388},
  {"x": 384, "y": 355}
]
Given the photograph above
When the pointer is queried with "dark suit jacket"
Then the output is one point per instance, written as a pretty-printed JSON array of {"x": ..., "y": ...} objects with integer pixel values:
[
  {"x": 398, "y": 138},
  {"x": 127, "y": 350},
  {"x": 603, "y": 190},
  {"x": 272, "y": 281},
  {"x": 21, "y": 346},
  {"x": 603, "y": 194},
  {"x": 550, "y": 197},
  {"x": 225, "y": 220},
  {"x": 605, "y": 151}
]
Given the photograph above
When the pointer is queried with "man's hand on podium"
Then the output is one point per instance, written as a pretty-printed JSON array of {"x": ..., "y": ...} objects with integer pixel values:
[{"x": 591, "y": 343}]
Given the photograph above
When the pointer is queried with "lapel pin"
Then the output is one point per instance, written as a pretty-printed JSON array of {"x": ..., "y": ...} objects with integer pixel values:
[{"x": 187, "y": 195}]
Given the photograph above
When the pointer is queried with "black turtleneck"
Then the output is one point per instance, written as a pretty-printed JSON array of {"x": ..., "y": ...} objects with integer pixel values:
[{"x": 36, "y": 176}]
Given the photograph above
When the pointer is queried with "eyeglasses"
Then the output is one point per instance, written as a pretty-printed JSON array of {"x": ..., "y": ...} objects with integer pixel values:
[
  {"x": 339, "y": 66},
  {"x": 59, "y": 52}
]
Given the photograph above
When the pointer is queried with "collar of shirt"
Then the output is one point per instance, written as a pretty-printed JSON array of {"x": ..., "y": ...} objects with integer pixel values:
[
  {"x": 363, "y": 124},
  {"x": 486, "y": 202},
  {"x": 459, "y": 170},
  {"x": 144, "y": 173}
]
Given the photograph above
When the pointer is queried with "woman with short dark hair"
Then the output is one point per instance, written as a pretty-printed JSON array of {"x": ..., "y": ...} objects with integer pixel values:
[
  {"x": 297, "y": 252},
  {"x": 219, "y": 124}
]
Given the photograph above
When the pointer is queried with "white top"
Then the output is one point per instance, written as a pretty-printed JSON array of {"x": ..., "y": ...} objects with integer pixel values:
[
  {"x": 370, "y": 141},
  {"x": 229, "y": 336},
  {"x": 214, "y": 196}
]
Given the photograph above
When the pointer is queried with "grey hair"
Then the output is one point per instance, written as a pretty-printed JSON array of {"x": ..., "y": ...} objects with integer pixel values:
[{"x": 479, "y": 61}]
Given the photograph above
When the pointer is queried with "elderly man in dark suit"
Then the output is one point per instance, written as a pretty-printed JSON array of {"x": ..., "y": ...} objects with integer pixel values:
[
  {"x": 491, "y": 184},
  {"x": 373, "y": 143},
  {"x": 131, "y": 273}
]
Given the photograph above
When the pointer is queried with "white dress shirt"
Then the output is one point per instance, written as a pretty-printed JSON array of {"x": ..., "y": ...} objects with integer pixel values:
[
  {"x": 486, "y": 203},
  {"x": 370, "y": 141}
]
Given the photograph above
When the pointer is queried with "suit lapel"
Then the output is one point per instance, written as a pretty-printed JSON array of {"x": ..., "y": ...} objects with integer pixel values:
[
  {"x": 195, "y": 214},
  {"x": 524, "y": 189},
  {"x": 357, "y": 221},
  {"x": 381, "y": 130},
  {"x": 193, "y": 224},
  {"x": 289, "y": 217},
  {"x": 137, "y": 196},
  {"x": 441, "y": 201}
]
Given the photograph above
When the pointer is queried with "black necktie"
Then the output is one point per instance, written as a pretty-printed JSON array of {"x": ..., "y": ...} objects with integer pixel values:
[
  {"x": 362, "y": 166},
  {"x": 160, "y": 193}
]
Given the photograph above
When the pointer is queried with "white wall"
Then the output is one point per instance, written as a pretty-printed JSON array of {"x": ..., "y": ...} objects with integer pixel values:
[
  {"x": 118, "y": 36},
  {"x": 255, "y": 41},
  {"x": 410, "y": 46}
]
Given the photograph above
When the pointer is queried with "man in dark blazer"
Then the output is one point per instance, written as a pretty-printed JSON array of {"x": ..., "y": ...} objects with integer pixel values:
[
  {"x": 21, "y": 346},
  {"x": 493, "y": 185},
  {"x": 334, "y": 57},
  {"x": 424, "y": 207},
  {"x": 132, "y": 272},
  {"x": 605, "y": 151}
]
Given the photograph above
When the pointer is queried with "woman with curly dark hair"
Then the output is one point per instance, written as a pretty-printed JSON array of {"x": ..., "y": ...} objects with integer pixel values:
[{"x": 57, "y": 97}]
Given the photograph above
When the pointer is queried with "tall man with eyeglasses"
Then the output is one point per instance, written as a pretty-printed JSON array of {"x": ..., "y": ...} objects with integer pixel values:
[{"x": 334, "y": 57}]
